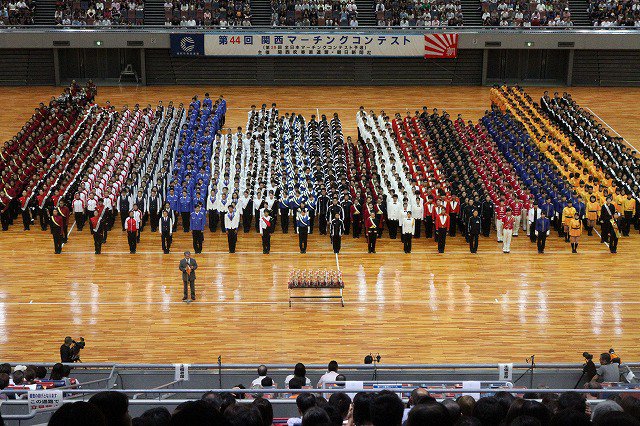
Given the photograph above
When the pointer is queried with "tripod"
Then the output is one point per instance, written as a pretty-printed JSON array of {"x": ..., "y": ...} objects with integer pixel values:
[
  {"x": 579, "y": 380},
  {"x": 530, "y": 369}
]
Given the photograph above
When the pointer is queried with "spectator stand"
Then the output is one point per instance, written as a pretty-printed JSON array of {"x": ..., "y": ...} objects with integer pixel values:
[
  {"x": 224, "y": 13},
  {"x": 106, "y": 13},
  {"x": 533, "y": 13},
  {"x": 16, "y": 12},
  {"x": 414, "y": 13}
]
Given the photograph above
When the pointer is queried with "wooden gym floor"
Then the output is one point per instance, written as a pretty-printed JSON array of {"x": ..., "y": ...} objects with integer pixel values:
[{"x": 418, "y": 308}]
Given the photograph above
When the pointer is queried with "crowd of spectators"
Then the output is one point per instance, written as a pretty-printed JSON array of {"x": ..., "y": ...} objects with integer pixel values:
[
  {"x": 311, "y": 13},
  {"x": 16, "y": 12},
  {"x": 99, "y": 12},
  {"x": 416, "y": 13},
  {"x": 382, "y": 408},
  {"x": 207, "y": 12},
  {"x": 615, "y": 13},
  {"x": 522, "y": 13}
]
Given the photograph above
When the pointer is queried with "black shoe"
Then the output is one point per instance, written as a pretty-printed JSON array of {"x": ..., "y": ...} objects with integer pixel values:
[
  {"x": 193, "y": 298},
  {"x": 184, "y": 299}
]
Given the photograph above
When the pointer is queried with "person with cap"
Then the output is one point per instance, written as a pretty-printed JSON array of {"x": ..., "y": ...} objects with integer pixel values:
[{"x": 188, "y": 266}]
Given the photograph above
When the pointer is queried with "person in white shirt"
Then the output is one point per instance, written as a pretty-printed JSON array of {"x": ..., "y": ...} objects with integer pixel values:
[
  {"x": 78, "y": 211},
  {"x": 393, "y": 216},
  {"x": 231, "y": 223},
  {"x": 299, "y": 371},
  {"x": 262, "y": 373},
  {"x": 408, "y": 229},
  {"x": 330, "y": 375}
]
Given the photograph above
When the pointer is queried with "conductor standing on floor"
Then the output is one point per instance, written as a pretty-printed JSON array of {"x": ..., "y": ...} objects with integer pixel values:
[
  {"x": 231, "y": 223},
  {"x": 336, "y": 228},
  {"x": 302, "y": 226},
  {"x": 188, "y": 267}
]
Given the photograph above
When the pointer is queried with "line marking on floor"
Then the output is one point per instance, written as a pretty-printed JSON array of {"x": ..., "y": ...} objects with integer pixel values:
[{"x": 611, "y": 128}]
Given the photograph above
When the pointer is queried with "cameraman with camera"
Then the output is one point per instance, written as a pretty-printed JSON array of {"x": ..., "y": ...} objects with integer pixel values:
[{"x": 70, "y": 350}]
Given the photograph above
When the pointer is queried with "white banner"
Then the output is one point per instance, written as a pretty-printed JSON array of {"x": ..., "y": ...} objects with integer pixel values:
[
  {"x": 313, "y": 44},
  {"x": 505, "y": 372},
  {"x": 44, "y": 399}
]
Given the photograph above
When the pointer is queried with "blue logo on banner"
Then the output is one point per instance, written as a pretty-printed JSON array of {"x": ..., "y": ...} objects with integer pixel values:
[{"x": 187, "y": 44}]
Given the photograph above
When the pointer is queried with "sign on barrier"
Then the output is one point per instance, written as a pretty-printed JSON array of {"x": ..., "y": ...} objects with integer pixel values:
[{"x": 44, "y": 399}]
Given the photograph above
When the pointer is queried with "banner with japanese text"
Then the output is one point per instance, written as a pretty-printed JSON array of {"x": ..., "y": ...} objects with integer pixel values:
[{"x": 313, "y": 44}]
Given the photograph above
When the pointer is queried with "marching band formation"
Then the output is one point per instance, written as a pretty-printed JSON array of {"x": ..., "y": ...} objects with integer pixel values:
[{"x": 422, "y": 174}]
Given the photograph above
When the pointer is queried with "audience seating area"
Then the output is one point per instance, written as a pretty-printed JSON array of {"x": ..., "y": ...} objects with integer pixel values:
[
  {"x": 264, "y": 399},
  {"x": 614, "y": 13},
  {"x": 17, "y": 12},
  {"x": 512, "y": 13},
  {"x": 99, "y": 12},
  {"x": 415, "y": 13},
  {"x": 208, "y": 12},
  {"x": 323, "y": 13}
]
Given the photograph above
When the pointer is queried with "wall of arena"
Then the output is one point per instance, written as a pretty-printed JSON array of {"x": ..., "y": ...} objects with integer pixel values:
[{"x": 484, "y": 58}]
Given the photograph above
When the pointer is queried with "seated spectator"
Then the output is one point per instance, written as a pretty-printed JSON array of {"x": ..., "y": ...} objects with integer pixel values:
[
  {"x": 603, "y": 408},
  {"x": 4, "y": 382},
  {"x": 266, "y": 410},
  {"x": 431, "y": 413},
  {"x": 299, "y": 371},
  {"x": 157, "y": 416},
  {"x": 304, "y": 402},
  {"x": 80, "y": 413},
  {"x": 386, "y": 409},
  {"x": 330, "y": 375},
  {"x": 114, "y": 406},
  {"x": 608, "y": 371},
  {"x": 243, "y": 415},
  {"x": 262, "y": 373}
]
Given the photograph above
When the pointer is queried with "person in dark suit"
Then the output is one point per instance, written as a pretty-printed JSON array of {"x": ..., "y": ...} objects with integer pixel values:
[
  {"x": 474, "y": 227},
  {"x": 188, "y": 266},
  {"x": 542, "y": 229},
  {"x": 302, "y": 226},
  {"x": 66, "y": 353},
  {"x": 606, "y": 214},
  {"x": 336, "y": 228},
  {"x": 56, "y": 226},
  {"x": 166, "y": 231}
]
